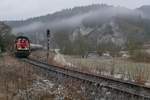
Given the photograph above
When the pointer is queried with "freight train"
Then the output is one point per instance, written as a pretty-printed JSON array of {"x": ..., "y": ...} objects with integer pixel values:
[{"x": 23, "y": 47}]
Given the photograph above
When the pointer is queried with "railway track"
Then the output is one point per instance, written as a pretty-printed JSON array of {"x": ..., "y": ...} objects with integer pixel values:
[{"x": 130, "y": 88}]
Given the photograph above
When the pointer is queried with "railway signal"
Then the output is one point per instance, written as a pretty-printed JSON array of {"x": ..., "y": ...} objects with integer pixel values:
[{"x": 48, "y": 43}]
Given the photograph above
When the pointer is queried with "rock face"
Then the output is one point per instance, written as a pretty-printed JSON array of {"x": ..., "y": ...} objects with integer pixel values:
[{"x": 107, "y": 33}]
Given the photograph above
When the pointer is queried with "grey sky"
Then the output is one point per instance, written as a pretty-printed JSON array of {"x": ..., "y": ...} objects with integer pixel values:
[{"x": 22, "y": 9}]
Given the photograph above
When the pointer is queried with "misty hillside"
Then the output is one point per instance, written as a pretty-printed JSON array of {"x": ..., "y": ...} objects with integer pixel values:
[
  {"x": 93, "y": 25},
  {"x": 145, "y": 10}
]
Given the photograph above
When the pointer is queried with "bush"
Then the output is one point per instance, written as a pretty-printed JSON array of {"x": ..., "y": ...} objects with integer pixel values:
[
  {"x": 140, "y": 56},
  {"x": 6, "y": 38}
]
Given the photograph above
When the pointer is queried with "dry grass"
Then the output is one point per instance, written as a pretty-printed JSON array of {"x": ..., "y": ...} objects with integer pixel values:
[
  {"x": 14, "y": 76},
  {"x": 116, "y": 67},
  {"x": 20, "y": 81}
]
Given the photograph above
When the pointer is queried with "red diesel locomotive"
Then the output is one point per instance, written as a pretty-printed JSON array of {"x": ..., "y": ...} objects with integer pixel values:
[{"x": 22, "y": 46}]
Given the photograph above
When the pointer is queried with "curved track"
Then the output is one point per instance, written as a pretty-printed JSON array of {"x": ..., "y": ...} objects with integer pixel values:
[{"x": 130, "y": 88}]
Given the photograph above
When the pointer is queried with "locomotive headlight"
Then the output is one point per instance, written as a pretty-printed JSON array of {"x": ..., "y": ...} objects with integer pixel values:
[{"x": 19, "y": 48}]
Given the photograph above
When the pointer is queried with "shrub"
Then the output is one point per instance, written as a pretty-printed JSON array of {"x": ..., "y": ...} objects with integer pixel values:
[
  {"x": 140, "y": 56},
  {"x": 6, "y": 38}
]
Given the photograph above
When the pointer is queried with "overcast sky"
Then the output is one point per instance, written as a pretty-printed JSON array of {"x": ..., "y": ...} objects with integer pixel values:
[{"x": 22, "y": 9}]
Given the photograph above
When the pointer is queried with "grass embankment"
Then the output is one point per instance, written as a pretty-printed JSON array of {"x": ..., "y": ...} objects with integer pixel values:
[
  {"x": 116, "y": 67},
  {"x": 113, "y": 67},
  {"x": 21, "y": 81}
]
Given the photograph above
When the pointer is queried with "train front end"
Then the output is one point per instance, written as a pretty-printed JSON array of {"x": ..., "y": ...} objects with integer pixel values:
[{"x": 22, "y": 46}]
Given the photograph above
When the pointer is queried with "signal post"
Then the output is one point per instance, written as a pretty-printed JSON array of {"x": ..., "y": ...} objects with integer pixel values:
[{"x": 48, "y": 44}]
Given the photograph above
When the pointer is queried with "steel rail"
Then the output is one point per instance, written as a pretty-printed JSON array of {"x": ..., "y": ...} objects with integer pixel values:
[{"x": 112, "y": 83}]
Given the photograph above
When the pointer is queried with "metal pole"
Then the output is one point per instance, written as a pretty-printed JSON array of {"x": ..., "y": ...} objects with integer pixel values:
[{"x": 48, "y": 44}]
